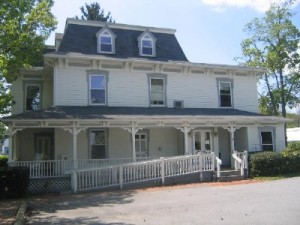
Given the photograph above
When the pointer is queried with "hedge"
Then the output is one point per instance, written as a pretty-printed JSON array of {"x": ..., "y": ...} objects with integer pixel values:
[
  {"x": 273, "y": 163},
  {"x": 3, "y": 161},
  {"x": 14, "y": 182}
]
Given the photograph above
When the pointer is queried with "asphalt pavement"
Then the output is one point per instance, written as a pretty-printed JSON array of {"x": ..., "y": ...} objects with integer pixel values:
[{"x": 270, "y": 202}]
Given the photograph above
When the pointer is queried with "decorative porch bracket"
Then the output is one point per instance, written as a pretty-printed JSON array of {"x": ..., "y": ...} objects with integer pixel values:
[
  {"x": 185, "y": 130},
  {"x": 133, "y": 130},
  {"x": 231, "y": 130}
]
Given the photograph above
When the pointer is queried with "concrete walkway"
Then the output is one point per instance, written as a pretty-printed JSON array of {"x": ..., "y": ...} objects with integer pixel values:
[{"x": 272, "y": 202}]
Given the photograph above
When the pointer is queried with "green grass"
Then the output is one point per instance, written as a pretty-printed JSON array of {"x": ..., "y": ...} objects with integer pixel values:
[{"x": 277, "y": 177}]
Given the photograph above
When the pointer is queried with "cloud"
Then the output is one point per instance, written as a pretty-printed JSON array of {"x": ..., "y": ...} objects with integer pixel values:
[{"x": 258, "y": 5}]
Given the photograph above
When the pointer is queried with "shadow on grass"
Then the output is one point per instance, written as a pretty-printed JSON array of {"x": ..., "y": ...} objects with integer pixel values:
[{"x": 278, "y": 177}]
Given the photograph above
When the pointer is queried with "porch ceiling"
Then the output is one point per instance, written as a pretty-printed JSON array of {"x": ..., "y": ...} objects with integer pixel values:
[{"x": 105, "y": 116}]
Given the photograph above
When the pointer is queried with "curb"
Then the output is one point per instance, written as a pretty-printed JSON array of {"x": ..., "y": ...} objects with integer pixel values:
[{"x": 20, "y": 217}]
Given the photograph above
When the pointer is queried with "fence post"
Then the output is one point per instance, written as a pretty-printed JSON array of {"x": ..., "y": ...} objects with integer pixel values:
[
  {"x": 74, "y": 181},
  {"x": 121, "y": 176},
  {"x": 213, "y": 161},
  {"x": 162, "y": 163}
]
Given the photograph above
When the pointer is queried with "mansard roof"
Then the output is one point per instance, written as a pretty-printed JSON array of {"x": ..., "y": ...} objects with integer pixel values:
[{"x": 80, "y": 37}]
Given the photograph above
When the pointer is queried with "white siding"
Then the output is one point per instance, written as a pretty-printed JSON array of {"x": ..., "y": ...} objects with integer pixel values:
[
  {"x": 119, "y": 143},
  {"x": 280, "y": 139},
  {"x": 17, "y": 92}
]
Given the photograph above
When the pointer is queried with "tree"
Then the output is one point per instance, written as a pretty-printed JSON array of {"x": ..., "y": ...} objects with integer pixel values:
[
  {"x": 94, "y": 12},
  {"x": 24, "y": 27},
  {"x": 274, "y": 44}
]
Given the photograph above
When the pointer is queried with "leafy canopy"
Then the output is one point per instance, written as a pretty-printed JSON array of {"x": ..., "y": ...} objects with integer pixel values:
[
  {"x": 24, "y": 27},
  {"x": 94, "y": 12},
  {"x": 273, "y": 43}
]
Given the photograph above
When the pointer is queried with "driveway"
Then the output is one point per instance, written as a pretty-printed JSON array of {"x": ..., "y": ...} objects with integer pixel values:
[{"x": 272, "y": 202}]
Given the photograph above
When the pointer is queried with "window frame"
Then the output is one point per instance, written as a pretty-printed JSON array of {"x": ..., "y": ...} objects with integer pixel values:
[
  {"x": 164, "y": 78},
  {"x": 273, "y": 134},
  {"x": 102, "y": 74},
  {"x": 149, "y": 37},
  {"x": 105, "y": 139},
  {"x": 36, "y": 84},
  {"x": 227, "y": 81},
  {"x": 100, "y": 34}
]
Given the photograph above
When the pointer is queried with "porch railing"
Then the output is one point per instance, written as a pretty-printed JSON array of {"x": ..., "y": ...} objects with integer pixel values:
[
  {"x": 95, "y": 178},
  {"x": 240, "y": 161}
]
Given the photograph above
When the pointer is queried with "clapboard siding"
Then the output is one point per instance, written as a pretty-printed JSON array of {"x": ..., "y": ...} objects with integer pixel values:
[{"x": 131, "y": 88}]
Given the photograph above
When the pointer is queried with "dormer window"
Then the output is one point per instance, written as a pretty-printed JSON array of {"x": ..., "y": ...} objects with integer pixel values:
[
  {"x": 147, "y": 44},
  {"x": 106, "y": 41}
]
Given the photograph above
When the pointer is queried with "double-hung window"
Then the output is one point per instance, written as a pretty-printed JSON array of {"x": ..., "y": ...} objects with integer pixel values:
[
  {"x": 267, "y": 140},
  {"x": 97, "y": 89},
  {"x": 147, "y": 46},
  {"x": 98, "y": 144},
  {"x": 106, "y": 43},
  {"x": 225, "y": 94},
  {"x": 157, "y": 91},
  {"x": 33, "y": 97}
]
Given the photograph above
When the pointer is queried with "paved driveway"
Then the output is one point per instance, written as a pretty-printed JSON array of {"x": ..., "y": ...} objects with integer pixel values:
[{"x": 273, "y": 202}]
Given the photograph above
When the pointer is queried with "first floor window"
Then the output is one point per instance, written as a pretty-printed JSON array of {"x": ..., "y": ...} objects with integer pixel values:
[
  {"x": 97, "y": 89},
  {"x": 157, "y": 92},
  {"x": 267, "y": 140},
  {"x": 225, "y": 94},
  {"x": 98, "y": 144},
  {"x": 33, "y": 98}
]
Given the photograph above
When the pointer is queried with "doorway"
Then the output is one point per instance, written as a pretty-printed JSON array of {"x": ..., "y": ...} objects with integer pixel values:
[
  {"x": 141, "y": 145},
  {"x": 44, "y": 146},
  {"x": 202, "y": 141}
]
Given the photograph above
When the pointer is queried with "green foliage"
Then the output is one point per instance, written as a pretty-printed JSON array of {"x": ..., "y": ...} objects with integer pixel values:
[
  {"x": 3, "y": 161},
  {"x": 273, "y": 164},
  {"x": 295, "y": 122},
  {"x": 2, "y": 131},
  {"x": 14, "y": 182},
  {"x": 293, "y": 148},
  {"x": 94, "y": 12},
  {"x": 273, "y": 44},
  {"x": 24, "y": 27}
]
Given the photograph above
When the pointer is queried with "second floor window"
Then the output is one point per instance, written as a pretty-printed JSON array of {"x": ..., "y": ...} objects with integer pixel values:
[
  {"x": 225, "y": 94},
  {"x": 33, "y": 98},
  {"x": 97, "y": 86},
  {"x": 157, "y": 92}
]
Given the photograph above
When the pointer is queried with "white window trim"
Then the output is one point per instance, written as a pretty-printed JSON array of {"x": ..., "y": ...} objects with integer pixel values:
[
  {"x": 153, "y": 44},
  {"x": 261, "y": 141},
  {"x": 25, "y": 100},
  {"x": 90, "y": 144},
  {"x": 105, "y": 89},
  {"x": 273, "y": 132},
  {"x": 152, "y": 47},
  {"x": 164, "y": 78},
  {"x": 111, "y": 35},
  {"x": 225, "y": 80}
]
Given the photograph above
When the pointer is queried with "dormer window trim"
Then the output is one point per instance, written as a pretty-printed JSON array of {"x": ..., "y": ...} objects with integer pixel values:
[
  {"x": 103, "y": 42},
  {"x": 147, "y": 44}
]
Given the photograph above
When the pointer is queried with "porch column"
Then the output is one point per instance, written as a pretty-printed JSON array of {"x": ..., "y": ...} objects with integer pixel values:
[
  {"x": 231, "y": 130},
  {"x": 133, "y": 130},
  {"x": 11, "y": 148},
  {"x": 185, "y": 131}
]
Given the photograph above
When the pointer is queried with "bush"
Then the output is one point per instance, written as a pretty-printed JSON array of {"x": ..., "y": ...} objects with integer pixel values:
[
  {"x": 14, "y": 182},
  {"x": 293, "y": 148},
  {"x": 3, "y": 161},
  {"x": 273, "y": 163}
]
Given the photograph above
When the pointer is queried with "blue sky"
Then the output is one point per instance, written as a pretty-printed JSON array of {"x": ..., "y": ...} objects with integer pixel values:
[{"x": 209, "y": 31}]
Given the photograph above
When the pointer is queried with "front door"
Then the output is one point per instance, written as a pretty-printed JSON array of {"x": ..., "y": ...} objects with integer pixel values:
[
  {"x": 202, "y": 141},
  {"x": 141, "y": 145},
  {"x": 44, "y": 146}
]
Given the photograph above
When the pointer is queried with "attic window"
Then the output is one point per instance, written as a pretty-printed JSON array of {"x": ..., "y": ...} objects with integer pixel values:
[
  {"x": 106, "y": 41},
  {"x": 147, "y": 44}
]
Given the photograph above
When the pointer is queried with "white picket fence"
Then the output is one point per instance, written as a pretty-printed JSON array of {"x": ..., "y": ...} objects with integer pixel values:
[{"x": 95, "y": 178}]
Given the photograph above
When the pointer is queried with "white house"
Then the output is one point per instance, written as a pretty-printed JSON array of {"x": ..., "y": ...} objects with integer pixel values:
[{"x": 115, "y": 91}]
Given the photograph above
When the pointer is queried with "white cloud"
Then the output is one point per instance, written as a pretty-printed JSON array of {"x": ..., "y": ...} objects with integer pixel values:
[{"x": 258, "y": 5}]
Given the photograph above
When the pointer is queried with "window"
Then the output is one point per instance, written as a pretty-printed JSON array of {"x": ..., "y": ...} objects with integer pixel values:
[
  {"x": 106, "y": 41},
  {"x": 98, "y": 144},
  {"x": 225, "y": 94},
  {"x": 147, "y": 44},
  {"x": 157, "y": 92},
  {"x": 33, "y": 97},
  {"x": 141, "y": 147},
  {"x": 267, "y": 140},
  {"x": 97, "y": 85}
]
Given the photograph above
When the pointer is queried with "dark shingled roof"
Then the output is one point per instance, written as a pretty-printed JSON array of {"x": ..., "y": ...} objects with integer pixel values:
[
  {"x": 104, "y": 112},
  {"x": 82, "y": 39}
]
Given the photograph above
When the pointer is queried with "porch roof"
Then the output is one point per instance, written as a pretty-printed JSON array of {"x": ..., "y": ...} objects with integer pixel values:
[{"x": 107, "y": 112}]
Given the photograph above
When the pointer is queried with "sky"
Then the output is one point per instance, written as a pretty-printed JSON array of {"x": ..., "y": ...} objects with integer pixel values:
[{"x": 209, "y": 31}]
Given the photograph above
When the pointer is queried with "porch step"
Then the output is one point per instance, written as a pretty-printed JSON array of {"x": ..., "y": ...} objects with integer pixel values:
[{"x": 230, "y": 175}]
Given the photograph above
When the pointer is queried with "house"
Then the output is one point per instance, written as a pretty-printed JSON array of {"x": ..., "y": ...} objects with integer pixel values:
[{"x": 110, "y": 92}]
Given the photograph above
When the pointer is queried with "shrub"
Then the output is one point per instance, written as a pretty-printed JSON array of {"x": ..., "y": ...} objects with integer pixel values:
[
  {"x": 3, "y": 160},
  {"x": 293, "y": 148},
  {"x": 14, "y": 182},
  {"x": 273, "y": 163}
]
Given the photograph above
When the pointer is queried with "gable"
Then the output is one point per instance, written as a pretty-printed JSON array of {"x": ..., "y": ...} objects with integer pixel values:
[{"x": 82, "y": 39}]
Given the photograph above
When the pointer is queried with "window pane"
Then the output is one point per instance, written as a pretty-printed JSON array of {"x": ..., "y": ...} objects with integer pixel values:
[
  {"x": 147, "y": 43},
  {"x": 98, "y": 96},
  {"x": 157, "y": 85},
  {"x": 266, "y": 137},
  {"x": 33, "y": 98},
  {"x": 225, "y": 100},
  {"x": 147, "y": 51},
  {"x": 98, "y": 82},
  {"x": 98, "y": 151},
  {"x": 106, "y": 40},
  {"x": 106, "y": 48},
  {"x": 225, "y": 88},
  {"x": 157, "y": 96}
]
